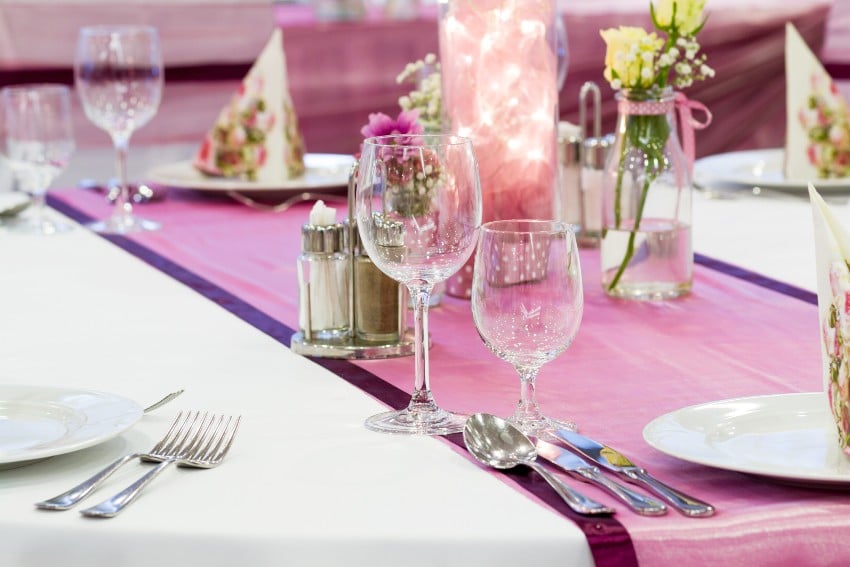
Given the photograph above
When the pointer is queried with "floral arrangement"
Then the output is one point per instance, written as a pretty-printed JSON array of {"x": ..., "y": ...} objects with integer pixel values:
[
  {"x": 646, "y": 66},
  {"x": 827, "y": 126},
  {"x": 412, "y": 175},
  {"x": 836, "y": 340}
]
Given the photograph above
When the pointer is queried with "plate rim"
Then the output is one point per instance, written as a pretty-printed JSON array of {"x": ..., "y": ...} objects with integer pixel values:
[
  {"x": 131, "y": 414},
  {"x": 706, "y": 178},
  {"x": 830, "y": 479},
  {"x": 158, "y": 174}
]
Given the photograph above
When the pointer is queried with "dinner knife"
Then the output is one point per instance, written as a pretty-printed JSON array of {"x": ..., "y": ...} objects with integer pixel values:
[
  {"x": 584, "y": 471},
  {"x": 614, "y": 461}
]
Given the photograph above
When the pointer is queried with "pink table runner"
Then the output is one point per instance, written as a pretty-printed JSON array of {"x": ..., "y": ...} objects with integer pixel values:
[{"x": 630, "y": 363}]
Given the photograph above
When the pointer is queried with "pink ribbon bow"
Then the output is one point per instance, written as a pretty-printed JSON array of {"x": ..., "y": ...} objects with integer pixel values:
[{"x": 687, "y": 124}]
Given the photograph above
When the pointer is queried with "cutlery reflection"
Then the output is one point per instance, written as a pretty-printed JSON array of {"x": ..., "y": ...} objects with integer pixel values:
[
  {"x": 582, "y": 470},
  {"x": 619, "y": 464},
  {"x": 498, "y": 444}
]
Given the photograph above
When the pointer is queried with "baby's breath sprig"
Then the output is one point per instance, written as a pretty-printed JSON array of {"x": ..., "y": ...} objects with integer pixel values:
[{"x": 427, "y": 98}]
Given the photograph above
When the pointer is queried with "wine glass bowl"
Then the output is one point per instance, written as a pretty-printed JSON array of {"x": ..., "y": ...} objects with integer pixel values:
[
  {"x": 527, "y": 303},
  {"x": 119, "y": 77},
  {"x": 37, "y": 142},
  {"x": 418, "y": 210}
]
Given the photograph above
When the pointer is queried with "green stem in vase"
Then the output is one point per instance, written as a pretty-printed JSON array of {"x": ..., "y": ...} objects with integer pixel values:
[
  {"x": 630, "y": 246},
  {"x": 647, "y": 134}
]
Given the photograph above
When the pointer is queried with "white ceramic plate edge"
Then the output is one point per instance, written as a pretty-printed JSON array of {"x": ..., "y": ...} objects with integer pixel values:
[
  {"x": 692, "y": 446},
  {"x": 123, "y": 415},
  {"x": 323, "y": 171},
  {"x": 727, "y": 167}
]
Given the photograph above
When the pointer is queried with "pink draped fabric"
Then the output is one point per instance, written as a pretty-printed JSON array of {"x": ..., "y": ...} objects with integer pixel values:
[
  {"x": 342, "y": 71},
  {"x": 631, "y": 362}
]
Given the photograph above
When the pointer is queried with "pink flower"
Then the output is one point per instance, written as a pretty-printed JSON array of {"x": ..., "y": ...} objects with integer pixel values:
[{"x": 382, "y": 125}]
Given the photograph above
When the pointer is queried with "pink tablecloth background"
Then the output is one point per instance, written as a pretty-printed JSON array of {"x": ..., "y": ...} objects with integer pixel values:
[{"x": 630, "y": 363}]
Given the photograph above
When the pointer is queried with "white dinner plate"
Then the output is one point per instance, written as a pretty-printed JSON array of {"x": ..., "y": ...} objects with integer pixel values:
[
  {"x": 322, "y": 172},
  {"x": 40, "y": 422},
  {"x": 757, "y": 168},
  {"x": 790, "y": 437}
]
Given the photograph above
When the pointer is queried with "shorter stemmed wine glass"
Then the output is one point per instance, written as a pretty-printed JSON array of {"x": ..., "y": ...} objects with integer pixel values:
[
  {"x": 38, "y": 142},
  {"x": 118, "y": 72},
  {"x": 418, "y": 210},
  {"x": 527, "y": 303}
]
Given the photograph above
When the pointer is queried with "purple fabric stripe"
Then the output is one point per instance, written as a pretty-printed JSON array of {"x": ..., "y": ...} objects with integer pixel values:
[
  {"x": 757, "y": 279},
  {"x": 180, "y": 73},
  {"x": 839, "y": 71},
  {"x": 610, "y": 543}
]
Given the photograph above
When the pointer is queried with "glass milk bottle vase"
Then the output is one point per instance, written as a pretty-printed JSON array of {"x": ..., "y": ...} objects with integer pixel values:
[{"x": 646, "y": 248}]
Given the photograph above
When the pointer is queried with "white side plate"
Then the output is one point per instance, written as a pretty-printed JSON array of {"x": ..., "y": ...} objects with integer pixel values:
[
  {"x": 40, "y": 422},
  {"x": 757, "y": 168},
  {"x": 323, "y": 171},
  {"x": 790, "y": 437}
]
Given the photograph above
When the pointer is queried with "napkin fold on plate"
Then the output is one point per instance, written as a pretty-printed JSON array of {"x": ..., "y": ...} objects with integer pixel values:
[
  {"x": 817, "y": 138},
  {"x": 256, "y": 136},
  {"x": 832, "y": 257}
]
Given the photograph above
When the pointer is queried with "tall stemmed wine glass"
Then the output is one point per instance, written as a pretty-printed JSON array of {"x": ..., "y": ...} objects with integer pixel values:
[
  {"x": 418, "y": 210},
  {"x": 527, "y": 303},
  {"x": 38, "y": 143},
  {"x": 118, "y": 72}
]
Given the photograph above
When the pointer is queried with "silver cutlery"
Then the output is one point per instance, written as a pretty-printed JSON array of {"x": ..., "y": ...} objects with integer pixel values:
[
  {"x": 167, "y": 447},
  {"x": 498, "y": 444},
  {"x": 203, "y": 445},
  {"x": 162, "y": 402},
  {"x": 286, "y": 203},
  {"x": 582, "y": 470},
  {"x": 614, "y": 461},
  {"x": 14, "y": 210}
]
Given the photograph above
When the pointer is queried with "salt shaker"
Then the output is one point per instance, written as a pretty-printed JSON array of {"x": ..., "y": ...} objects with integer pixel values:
[
  {"x": 568, "y": 202},
  {"x": 323, "y": 276}
]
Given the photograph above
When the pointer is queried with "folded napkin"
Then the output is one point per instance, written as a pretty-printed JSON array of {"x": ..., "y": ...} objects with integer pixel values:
[
  {"x": 817, "y": 139},
  {"x": 832, "y": 253},
  {"x": 256, "y": 137}
]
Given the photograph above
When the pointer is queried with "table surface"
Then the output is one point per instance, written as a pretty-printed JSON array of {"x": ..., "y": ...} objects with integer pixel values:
[{"x": 305, "y": 482}]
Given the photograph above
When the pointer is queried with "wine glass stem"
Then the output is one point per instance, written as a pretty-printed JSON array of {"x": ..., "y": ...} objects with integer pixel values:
[
  {"x": 421, "y": 295},
  {"x": 123, "y": 206},
  {"x": 527, "y": 409}
]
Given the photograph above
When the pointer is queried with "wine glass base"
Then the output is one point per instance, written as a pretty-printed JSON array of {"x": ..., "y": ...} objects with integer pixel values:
[
  {"x": 124, "y": 225},
  {"x": 540, "y": 426},
  {"x": 38, "y": 225},
  {"x": 417, "y": 421}
]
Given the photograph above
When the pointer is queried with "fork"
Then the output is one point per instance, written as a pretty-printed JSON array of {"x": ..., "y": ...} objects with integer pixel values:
[
  {"x": 204, "y": 448},
  {"x": 166, "y": 447}
]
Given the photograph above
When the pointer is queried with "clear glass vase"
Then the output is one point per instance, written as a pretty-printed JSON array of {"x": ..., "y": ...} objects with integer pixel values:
[
  {"x": 646, "y": 250},
  {"x": 500, "y": 67}
]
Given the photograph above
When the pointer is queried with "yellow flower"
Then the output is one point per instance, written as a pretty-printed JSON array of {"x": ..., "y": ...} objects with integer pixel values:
[
  {"x": 689, "y": 15},
  {"x": 630, "y": 57}
]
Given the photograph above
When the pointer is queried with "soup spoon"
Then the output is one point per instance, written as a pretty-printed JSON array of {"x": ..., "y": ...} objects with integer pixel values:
[{"x": 498, "y": 444}]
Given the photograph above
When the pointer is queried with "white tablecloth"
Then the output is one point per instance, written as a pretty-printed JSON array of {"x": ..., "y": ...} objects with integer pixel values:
[{"x": 305, "y": 482}]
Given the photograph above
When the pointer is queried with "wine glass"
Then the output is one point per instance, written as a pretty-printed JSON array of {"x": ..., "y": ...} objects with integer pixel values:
[
  {"x": 118, "y": 72},
  {"x": 418, "y": 210},
  {"x": 38, "y": 143},
  {"x": 527, "y": 303}
]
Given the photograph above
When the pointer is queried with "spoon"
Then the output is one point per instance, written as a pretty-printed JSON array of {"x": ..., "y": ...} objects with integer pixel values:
[
  {"x": 162, "y": 402},
  {"x": 498, "y": 444}
]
